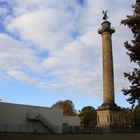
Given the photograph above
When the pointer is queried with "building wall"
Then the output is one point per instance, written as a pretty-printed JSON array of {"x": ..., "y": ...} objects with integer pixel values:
[
  {"x": 71, "y": 121},
  {"x": 13, "y": 118}
]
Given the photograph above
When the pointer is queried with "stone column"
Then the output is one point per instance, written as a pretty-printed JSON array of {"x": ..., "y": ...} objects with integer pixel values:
[
  {"x": 108, "y": 114},
  {"x": 108, "y": 77}
]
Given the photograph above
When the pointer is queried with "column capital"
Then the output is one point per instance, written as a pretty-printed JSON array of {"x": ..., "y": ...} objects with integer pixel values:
[{"x": 106, "y": 27}]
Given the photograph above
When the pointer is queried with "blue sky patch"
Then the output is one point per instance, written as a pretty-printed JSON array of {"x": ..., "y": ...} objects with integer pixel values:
[
  {"x": 75, "y": 34},
  {"x": 82, "y": 2}
]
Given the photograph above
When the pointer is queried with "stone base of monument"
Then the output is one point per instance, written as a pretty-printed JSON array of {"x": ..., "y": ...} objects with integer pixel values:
[{"x": 109, "y": 117}]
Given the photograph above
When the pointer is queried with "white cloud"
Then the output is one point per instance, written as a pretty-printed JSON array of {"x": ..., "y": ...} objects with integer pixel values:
[
  {"x": 68, "y": 32},
  {"x": 17, "y": 60}
]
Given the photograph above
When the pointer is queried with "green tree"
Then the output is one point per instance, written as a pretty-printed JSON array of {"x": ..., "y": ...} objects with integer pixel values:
[
  {"x": 137, "y": 116},
  {"x": 129, "y": 116},
  {"x": 133, "y": 22},
  {"x": 88, "y": 116},
  {"x": 67, "y": 106}
]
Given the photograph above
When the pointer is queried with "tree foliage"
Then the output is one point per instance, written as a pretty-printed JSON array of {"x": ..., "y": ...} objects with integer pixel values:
[
  {"x": 137, "y": 116},
  {"x": 133, "y": 22},
  {"x": 88, "y": 116},
  {"x": 67, "y": 106},
  {"x": 129, "y": 116}
]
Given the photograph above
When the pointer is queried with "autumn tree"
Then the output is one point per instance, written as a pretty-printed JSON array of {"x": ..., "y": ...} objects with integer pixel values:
[
  {"x": 88, "y": 116},
  {"x": 133, "y": 51},
  {"x": 67, "y": 106}
]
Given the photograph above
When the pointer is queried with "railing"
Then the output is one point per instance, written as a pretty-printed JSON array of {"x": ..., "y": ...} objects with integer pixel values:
[
  {"x": 42, "y": 119},
  {"x": 102, "y": 28},
  {"x": 25, "y": 128},
  {"x": 46, "y": 123}
]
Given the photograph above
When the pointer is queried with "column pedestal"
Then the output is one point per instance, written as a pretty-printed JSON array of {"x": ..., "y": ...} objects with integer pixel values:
[{"x": 109, "y": 117}]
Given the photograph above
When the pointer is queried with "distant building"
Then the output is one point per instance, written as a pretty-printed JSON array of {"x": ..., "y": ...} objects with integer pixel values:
[{"x": 35, "y": 119}]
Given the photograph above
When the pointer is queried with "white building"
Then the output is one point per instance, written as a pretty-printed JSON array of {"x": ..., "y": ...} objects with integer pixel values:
[{"x": 34, "y": 119}]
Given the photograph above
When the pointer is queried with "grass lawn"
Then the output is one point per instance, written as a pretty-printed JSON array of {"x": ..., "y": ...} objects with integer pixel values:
[{"x": 70, "y": 137}]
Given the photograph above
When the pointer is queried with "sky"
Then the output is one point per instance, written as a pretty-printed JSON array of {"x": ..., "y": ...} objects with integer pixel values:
[{"x": 50, "y": 50}]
